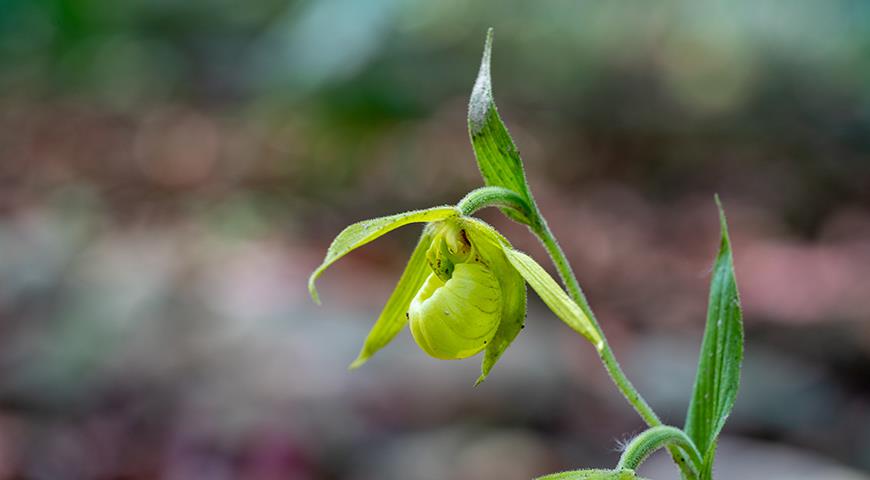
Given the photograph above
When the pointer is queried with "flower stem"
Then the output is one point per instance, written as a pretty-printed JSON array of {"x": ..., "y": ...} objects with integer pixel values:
[
  {"x": 605, "y": 352},
  {"x": 643, "y": 445},
  {"x": 494, "y": 197},
  {"x": 528, "y": 213},
  {"x": 545, "y": 235}
]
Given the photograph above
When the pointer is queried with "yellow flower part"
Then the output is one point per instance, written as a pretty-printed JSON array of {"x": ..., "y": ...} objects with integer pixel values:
[{"x": 463, "y": 290}]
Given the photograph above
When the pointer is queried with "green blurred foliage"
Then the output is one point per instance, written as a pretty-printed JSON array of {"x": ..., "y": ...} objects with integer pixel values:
[{"x": 656, "y": 96}]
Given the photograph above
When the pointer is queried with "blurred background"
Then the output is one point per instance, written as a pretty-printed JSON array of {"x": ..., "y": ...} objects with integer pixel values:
[{"x": 170, "y": 173}]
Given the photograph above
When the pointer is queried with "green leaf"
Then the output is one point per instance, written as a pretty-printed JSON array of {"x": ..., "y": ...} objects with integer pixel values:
[
  {"x": 361, "y": 233},
  {"x": 489, "y": 244},
  {"x": 553, "y": 295},
  {"x": 593, "y": 475},
  {"x": 721, "y": 356},
  {"x": 394, "y": 316},
  {"x": 497, "y": 156}
]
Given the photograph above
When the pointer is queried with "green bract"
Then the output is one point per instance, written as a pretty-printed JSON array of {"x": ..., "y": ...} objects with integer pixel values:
[{"x": 463, "y": 289}]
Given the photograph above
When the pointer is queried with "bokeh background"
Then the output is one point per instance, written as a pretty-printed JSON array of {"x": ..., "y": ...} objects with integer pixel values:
[{"x": 170, "y": 172}]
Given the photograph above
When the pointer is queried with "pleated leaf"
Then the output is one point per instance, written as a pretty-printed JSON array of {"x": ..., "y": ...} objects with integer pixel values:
[
  {"x": 721, "y": 356},
  {"x": 497, "y": 157}
]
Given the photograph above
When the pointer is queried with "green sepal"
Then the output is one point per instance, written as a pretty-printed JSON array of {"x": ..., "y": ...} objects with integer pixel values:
[
  {"x": 623, "y": 474},
  {"x": 553, "y": 296},
  {"x": 489, "y": 244},
  {"x": 394, "y": 315},
  {"x": 721, "y": 355},
  {"x": 363, "y": 232},
  {"x": 497, "y": 157}
]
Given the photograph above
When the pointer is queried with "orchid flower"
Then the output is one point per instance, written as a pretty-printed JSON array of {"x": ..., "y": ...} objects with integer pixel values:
[{"x": 463, "y": 290}]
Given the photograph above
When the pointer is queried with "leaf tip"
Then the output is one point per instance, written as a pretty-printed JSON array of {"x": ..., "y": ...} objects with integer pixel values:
[
  {"x": 312, "y": 289},
  {"x": 485, "y": 368},
  {"x": 360, "y": 361},
  {"x": 481, "y": 94},
  {"x": 723, "y": 223}
]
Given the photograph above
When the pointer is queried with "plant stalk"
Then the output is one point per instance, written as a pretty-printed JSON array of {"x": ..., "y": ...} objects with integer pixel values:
[
  {"x": 640, "y": 405},
  {"x": 494, "y": 197},
  {"x": 606, "y": 353},
  {"x": 505, "y": 198},
  {"x": 643, "y": 445}
]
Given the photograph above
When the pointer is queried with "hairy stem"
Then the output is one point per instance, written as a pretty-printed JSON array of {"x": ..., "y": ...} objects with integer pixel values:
[
  {"x": 643, "y": 445},
  {"x": 606, "y": 353},
  {"x": 494, "y": 197},
  {"x": 505, "y": 198},
  {"x": 543, "y": 232}
]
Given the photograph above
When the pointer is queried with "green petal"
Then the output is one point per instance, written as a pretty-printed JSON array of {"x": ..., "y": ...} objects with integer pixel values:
[
  {"x": 393, "y": 317},
  {"x": 593, "y": 475},
  {"x": 490, "y": 245},
  {"x": 361, "y": 233},
  {"x": 553, "y": 295}
]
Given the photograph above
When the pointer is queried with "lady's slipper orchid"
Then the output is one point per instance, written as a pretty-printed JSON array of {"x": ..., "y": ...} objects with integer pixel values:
[{"x": 463, "y": 290}]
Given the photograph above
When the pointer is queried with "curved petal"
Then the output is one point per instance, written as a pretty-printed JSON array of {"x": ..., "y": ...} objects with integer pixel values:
[
  {"x": 553, "y": 295},
  {"x": 394, "y": 316},
  {"x": 361, "y": 233},
  {"x": 490, "y": 244}
]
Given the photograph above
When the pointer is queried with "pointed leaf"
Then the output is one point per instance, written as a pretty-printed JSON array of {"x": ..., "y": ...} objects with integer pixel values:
[
  {"x": 553, "y": 295},
  {"x": 394, "y": 316},
  {"x": 361, "y": 233},
  {"x": 593, "y": 475},
  {"x": 490, "y": 244},
  {"x": 721, "y": 355},
  {"x": 497, "y": 156}
]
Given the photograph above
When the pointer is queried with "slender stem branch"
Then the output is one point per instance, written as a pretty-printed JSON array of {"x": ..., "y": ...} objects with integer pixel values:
[
  {"x": 528, "y": 214},
  {"x": 545, "y": 235},
  {"x": 494, "y": 197},
  {"x": 606, "y": 353},
  {"x": 643, "y": 445}
]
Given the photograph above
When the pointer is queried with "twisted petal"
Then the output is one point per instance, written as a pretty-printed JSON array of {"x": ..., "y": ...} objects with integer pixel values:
[
  {"x": 393, "y": 317},
  {"x": 490, "y": 245},
  {"x": 361, "y": 233},
  {"x": 553, "y": 295}
]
